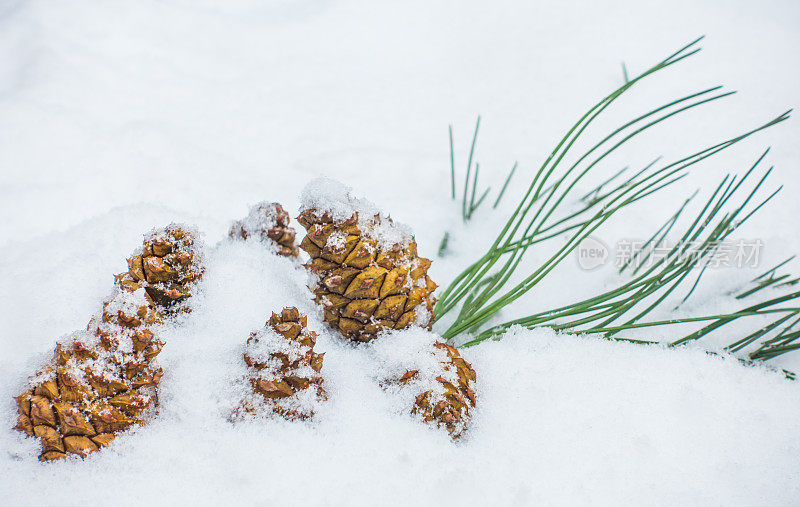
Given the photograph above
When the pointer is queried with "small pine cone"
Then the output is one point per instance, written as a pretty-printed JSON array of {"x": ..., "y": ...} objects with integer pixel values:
[
  {"x": 369, "y": 276},
  {"x": 284, "y": 370},
  {"x": 104, "y": 379},
  {"x": 166, "y": 266},
  {"x": 447, "y": 405},
  {"x": 270, "y": 223}
]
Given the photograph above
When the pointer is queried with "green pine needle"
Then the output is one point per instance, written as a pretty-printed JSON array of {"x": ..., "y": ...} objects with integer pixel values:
[{"x": 485, "y": 287}]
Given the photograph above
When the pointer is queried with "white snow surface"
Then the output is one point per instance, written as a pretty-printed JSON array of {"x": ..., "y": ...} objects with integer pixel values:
[{"x": 118, "y": 117}]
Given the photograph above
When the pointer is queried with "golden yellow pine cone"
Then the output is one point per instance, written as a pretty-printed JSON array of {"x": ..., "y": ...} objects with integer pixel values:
[
  {"x": 284, "y": 370},
  {"x": 166, "y": 266},
  {"x": 366, "y": 284},
  {"x": 270, "y": 223},
  {"x": 447, "y": 405},
  {"x": 103, "y": 380},
  {"x": 99, "y": 382}
]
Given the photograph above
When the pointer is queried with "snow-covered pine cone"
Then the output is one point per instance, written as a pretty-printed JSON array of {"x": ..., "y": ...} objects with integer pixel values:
[
  {"x": 270, "y": 223},
  {"x": 284, "y": 371},
  {"x": 369, "y": 276},
  {"x": 446, "y": 399},
  {"x": 166, "y": 266},
  {"x": 104, "y": 379}
]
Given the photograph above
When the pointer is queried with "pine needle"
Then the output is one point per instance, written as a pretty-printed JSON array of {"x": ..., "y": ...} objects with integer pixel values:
[
  {"x": 464, "y": 213},
  {"x": 484, "y": 287},
  {"x": 505, "y": 185}
]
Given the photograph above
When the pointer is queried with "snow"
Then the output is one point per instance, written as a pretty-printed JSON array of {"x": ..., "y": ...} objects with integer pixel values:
[
  {"x": 327, "y": 196},
  {"x": 259, "y": 220},
  {"x": 262, "y": 345},
  {"x": 568, "y": 420},
  {"x": 116, "y": 118},
  {"x": 413, "y": 351}
]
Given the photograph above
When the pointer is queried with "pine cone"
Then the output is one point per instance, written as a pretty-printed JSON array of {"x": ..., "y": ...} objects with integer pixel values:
[
  {"x": 104, "y": 379},
  {"x": 166, "y": 267},
  {"x": 284, "y": 369},
  {"x": 446, "y": 405},
  {"x": 270, "y": 223},
  {"x": 369, "y": 275}
]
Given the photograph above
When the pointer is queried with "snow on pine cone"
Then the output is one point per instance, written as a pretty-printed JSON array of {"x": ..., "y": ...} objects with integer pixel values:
[
  {"x": 447, "y": 402},
  {"x": 104, "y": 379},
  {"x": 439, "y": 386},
  {"x": 166, "y": 266},
  {"x": 367, "y": 274},
  {"x": 284, "y": 371},
  {"x": 270, "y": 223}
]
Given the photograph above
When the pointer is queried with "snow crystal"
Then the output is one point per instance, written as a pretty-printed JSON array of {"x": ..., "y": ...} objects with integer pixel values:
[
  {"x": 262, "y": 217},
  {"x": 336, "y": 241},
  {"x": 264, "y": 343},
  {"x": 127, "y": 302},
  {"x": 192, "y": 234}
]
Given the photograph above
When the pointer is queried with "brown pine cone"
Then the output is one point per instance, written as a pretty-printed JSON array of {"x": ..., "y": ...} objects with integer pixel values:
[
  {"x": 369, "y": 276},
  {"x": 445, "y": 399},
  {"x": 270, "y": 223},
  {"x": 105, "y": 379},
  {"x": 284, "y": 369},
  {"x": 166, "y": 266}
]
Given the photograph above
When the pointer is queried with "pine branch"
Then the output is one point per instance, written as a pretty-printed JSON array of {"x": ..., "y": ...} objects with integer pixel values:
[
  {"x": 661, "y": 279},
  {"x": 482, "y": 289}
]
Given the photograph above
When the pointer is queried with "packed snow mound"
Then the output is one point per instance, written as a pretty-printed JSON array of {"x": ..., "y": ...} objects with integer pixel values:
[{"x": 411, "y": 349}]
